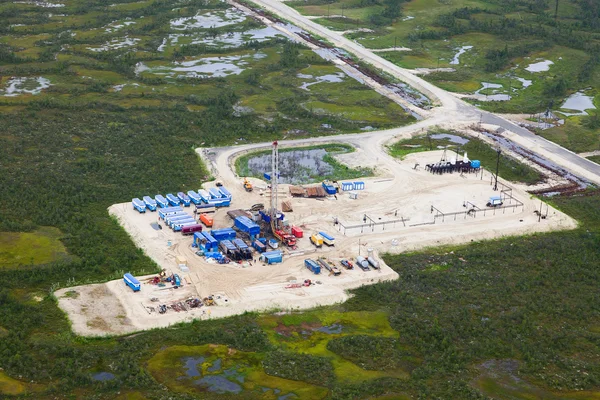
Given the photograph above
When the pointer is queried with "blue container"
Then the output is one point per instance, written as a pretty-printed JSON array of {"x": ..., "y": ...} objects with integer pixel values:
[
  {"x": 245, "y": 224},
  {"x": 347, "y": 186},
  {"x": 138, "y": 205},
  {"x": 272, "y": 257},
  {"x": 215, "y": 193},
  {"x": 194, "y": 197},
  {"x": 133, "y": 283},
  {"x": 223, "y": 234},
  {"x": 164, "y": 203},
  {"x": 204, "y": 195},
  {"x": 225, "y": 192},
  {"x": 312, "y": 266},
  {"x": 329, "y": 188},
  {"x": 359, "y": 185},
  {"x": 205, "y": 241},
  {"x": 173, "y": 200},
  {"x": 475, "y": 164},
  {"x": 185, "y": 199}
]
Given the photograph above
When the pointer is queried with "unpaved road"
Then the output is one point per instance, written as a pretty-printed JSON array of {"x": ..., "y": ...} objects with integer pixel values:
[{"x": 451, "y": 109}]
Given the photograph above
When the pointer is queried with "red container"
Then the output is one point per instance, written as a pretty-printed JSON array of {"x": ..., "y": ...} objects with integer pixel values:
[
  {"x": 297, "y": 232},
  {"x": 189, "y": 230}
]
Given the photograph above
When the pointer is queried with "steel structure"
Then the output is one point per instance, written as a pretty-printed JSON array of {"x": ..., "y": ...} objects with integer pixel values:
[{"x": 274, "y": 186}]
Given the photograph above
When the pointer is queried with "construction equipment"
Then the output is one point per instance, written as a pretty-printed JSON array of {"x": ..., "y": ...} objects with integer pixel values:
[
  {"x": 247, "y": 185},
  {"x": 209, "y": 301},
  {"x": 316, "y": 239},
  {"x": 329, "y": 267},
  {"x": 307, "y": 282}
]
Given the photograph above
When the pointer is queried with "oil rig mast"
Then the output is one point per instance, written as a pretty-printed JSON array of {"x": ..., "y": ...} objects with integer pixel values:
[{"x": 274, "y": 186}]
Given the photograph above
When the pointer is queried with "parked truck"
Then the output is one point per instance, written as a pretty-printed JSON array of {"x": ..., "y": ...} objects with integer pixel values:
[{"x": 312, "y": 266}]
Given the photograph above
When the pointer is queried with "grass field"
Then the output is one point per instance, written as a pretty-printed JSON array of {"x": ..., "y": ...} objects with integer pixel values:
[{"x": 31, "y": 248}]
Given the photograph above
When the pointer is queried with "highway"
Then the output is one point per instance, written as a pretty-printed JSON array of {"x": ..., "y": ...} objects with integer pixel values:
[{"x": 450, "y": 109}]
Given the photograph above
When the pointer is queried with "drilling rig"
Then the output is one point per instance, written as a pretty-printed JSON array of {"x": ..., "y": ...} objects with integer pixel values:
[{"x": 278, "y": 231}]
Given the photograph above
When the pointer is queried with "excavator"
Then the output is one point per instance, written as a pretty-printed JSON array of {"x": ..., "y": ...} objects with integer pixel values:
[{"x": 247, "y": 185}]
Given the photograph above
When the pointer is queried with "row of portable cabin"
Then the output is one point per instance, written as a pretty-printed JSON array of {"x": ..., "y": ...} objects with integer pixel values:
[
  {"x": 218, "y": 197},
  {"x": 353, "y": 186},
  {"x": 178, "y": 220}
]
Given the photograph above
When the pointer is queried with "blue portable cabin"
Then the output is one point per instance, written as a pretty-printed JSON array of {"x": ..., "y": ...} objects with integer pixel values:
[
  {"x": 171, "y": 213},
  {"x": 173, "y": 200},
  {"x": 347, "y": 186},
  {"x": 220, "y": 202},
  {"x": 272, "y": 257},
  {"x": 476, "y": 164},
  {"x": 260, "y": 245},
  {"x": 326, "y": 236},
  {"x": 243, "y": 248},
  {"x": 185, "y": 199},
  {"x": 138, "y": 205},
  {"x": 215, "y": 193},
  {"x": 223, "y": 234},
  {"x": 178, "y": 226},
  {"x": 164, "y": 203},
  {"x": 150, "y": 203},
  {"x": 194, "y": 197},
  {"x": 359, "y": 185},
  {"x": 204, "y": 195},
  {"x": 206, "y": 242},
  {"x": 312, "y": 266},
  {"x": 226, "y": 193},
  {"x": 180, "y": 221},
  {"x": 171, "y": 219},
  {"x": 329, "y": 188},
  {"x": 133, "y": 283},
  {"x": 245, "y": 224},
  {"x": 229, "y": 249}
]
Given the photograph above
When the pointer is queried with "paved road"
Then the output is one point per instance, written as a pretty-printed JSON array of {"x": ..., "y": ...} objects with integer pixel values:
[{"x": 451, "y": 109}]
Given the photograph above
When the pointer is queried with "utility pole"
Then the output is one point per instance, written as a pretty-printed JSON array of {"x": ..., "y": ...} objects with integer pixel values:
[
  {"x": 556, "y": 10},
  {"x": 540, "y": 213},
  {"x": 497, "y": 166},
  {"x": 395, "y": 37},
  {"x": 327, "y": 11}
]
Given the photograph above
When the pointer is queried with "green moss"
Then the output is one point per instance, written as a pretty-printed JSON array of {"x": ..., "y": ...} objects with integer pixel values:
[{"x": 31, "y": 248}]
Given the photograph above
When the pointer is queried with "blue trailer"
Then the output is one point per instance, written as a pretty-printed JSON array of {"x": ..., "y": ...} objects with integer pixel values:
[
  {"x": 329, "y": 188},
  {"x": 150, "y": 203},
  {"x": 138, "y": 205},
  {"x": 223, "y": 234},
  {"x": 347, "y": 186},
  {"x": 185, "y": 199},
  {"x": 225, "y": 193},
  {"x": 133, "y": 283},
  {"x": 272, "y": 257},
  {"x": 162, "y": 214},
  {"x": 164, "y": 203},
  {"x": 215, "y": 193},
  {"x": 172, "y": 219},
  {"x": 220, "y": 202},
  {"x": 206, "y": 242},
  {"x": 327, "y": 239},
  {"x": 359, "y": 185},
  {"x": 204, "y": 195},
  {"x": 194, "y": 197},
  {"x": 312, "y": 266},
  {"x": 260, "y": 245},
  {"x": 245, "y": 224},
  {"x": 173, "y": 200},
  {"x": 182, "y": 222}
]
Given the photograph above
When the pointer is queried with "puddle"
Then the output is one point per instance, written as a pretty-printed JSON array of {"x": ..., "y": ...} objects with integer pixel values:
[
  {"x": 211, "y": 66},
  {"x": 225, "y": 40},
  {"x": 155, "y": 226},
  {"x": 18, "y": 86},
  {"x": 526, "y": 82},
  {"x": 407, "y": 18},
  {"x": 295, "y": 166},
  {"x": 117, "y": 43},
  {"x": 452, "y": 138},
  {"x": 215, "y": 366},
  {"x": 213, "y": 19},
  {"x": 140, "y": 67},
  {"x": 461, "y": 51},
  {"x": 114, "y": 26},
  {"x": 330, "y": 78},
  {"x": 541, "y": 66},
  {"x": 491, "y": 95},
  {"x": 191, "y": 366},
  {"x": 40, "y": 4},
  {"x": 578, "y": 102},
  {"x": 103, "y": 376},
  {"x": 332, "y": 329},
  {"x": 367, "y": 128}
]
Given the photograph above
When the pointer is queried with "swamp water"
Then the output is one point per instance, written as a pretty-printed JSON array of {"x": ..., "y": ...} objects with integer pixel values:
[{"x": 295, "y": 167}]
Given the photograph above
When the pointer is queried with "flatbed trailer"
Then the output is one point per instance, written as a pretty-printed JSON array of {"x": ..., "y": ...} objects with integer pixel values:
[{"x": 329, "y": 267}]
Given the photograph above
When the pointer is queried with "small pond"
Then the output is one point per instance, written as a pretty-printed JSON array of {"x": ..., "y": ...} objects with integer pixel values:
[
  {"x": 541, "y": 66},
  {"x": 295, "y": 167},
  {"x": 103, "y": 376},
  {"x": 578, "y": 102},
  {"x": 461, "y": 51},
  {"x": 453, "y": 138}
]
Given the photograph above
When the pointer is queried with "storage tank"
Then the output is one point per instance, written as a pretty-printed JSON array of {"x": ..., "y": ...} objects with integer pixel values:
[{"x": 475, "y": 164}]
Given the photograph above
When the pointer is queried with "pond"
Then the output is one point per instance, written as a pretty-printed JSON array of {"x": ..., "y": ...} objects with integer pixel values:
[
  {"x": 330, "y": 78},
  {"x": 103, "y": 376},
  {"x": 117, "y": 43},
  {"x": 578, "y": 102},
  {"x": 461, "y": 51},
  {"x": 295, "y": 167},
  {"x": 541, "y": 66},
  {"x": 213, "y": 19},
  {"x": 452, "y": 138},
  {"x": 17, "y": 86},
  {"x": 491, "y": 95}
]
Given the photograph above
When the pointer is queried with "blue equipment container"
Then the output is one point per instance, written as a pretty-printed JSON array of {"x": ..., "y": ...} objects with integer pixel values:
[
  {"x": 347, "y": 186},
  {"x": 138, "y": 205},
  {"x": 267, "y": 218},
  {"x": 475, "y": 164},
  {"x": 260, "y": 245},
  {"x": 206, "y": 242},
  {"x": 173, "y": 200},
  {"x": 215, "y": 193},
  {"x": 220, "y": 202},
  {"x": 359, "y": 185},
  {"x": 194, "y": 197},
  {"x": 150, "y": 203},
  {"x": 171, "y": 214},
  {"x": 312, "y": 266},
  {"x": 178, "y": 226},
  {"x": 204, "y": 195},
  {"x": 179, "y": 218},
  {"x": 243, "y": 248},
  {"x": 165, "y": 212},
  {"x": 214, "y": 254},
  {"x": 225, "y": 193},
  {"x": 164, "y": 203},
  {"x": 223, "y": 234},
  {"x": 272, "y": 257},
  {"x": 329, "y": 188},
  {"x": 245, "y": 224},
  {"x": 185, "y": 199},
  {"x": 133, "y": 283}
]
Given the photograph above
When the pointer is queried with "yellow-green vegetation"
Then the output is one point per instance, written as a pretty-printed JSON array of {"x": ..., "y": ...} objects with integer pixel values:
[
  {"x": 10, "y": 386},
  {"x": 223, "y": 370},
  {"x": 41, "y": 246},
  {"x": 310, "y": 332}
]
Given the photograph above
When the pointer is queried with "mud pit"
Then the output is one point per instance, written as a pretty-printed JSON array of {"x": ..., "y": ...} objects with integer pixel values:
[{"x": 398, "y": 192}]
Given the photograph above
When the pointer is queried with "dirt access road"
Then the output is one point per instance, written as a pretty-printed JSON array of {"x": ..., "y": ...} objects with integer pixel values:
[{"x": 451, "y": 110}]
